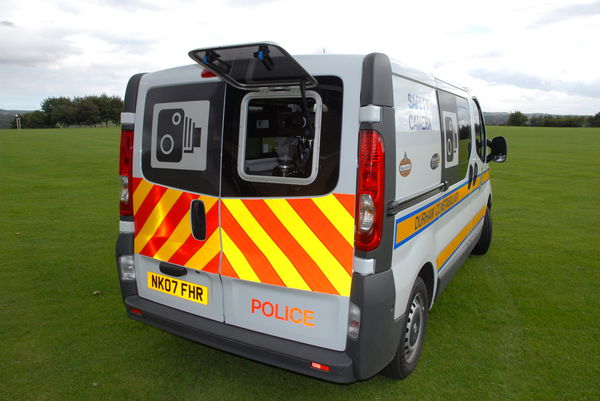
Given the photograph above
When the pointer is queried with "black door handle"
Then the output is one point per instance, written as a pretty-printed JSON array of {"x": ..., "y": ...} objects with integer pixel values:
[
  {"x": 198, "y": 220},
  {"x": 475, "y": 173},
  {"x": 470, "y": 176}
]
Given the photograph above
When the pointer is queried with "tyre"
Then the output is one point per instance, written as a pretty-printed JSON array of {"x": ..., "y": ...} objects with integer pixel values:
[
  {"x": 411, "y": 343},
  {"x": 486, "y": 235}
]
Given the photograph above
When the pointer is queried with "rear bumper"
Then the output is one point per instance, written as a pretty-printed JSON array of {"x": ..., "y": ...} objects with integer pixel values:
[
  {"x": 286, "y": 354},
  {"x": 379, "y": 336}
]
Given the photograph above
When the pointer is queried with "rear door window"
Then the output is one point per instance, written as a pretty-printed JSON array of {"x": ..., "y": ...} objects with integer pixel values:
[
  {"x": 266, "y": 149},
  {"x": 279, "y": 137}
]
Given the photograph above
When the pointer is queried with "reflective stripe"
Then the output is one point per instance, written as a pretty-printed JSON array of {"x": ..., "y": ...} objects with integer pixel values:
[
  {"x": 305, "y": 244},
  {"x": 338, "y": 215},
  {"x": 238, "y": 261},
  {"x": 282, "y": 265},
  {"x": 445, "y": 255},
  {"x": 155, "y": 218},
  {"x": 209, "y": 250},
  {"x": 335, "y": 272}
]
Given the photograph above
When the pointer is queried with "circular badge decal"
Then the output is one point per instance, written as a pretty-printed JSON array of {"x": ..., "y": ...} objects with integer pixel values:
[{"x": 405, "y": 166}]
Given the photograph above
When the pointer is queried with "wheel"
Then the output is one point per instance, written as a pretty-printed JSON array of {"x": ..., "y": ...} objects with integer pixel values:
[
  {"x": 411, "y": 343},
  {"x": 486, "y": 235}
]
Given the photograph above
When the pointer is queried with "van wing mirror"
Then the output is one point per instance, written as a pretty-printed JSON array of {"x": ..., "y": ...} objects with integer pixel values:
[
  {"x": 498, "y": 146},
  {"x": 254, "y": 66}
]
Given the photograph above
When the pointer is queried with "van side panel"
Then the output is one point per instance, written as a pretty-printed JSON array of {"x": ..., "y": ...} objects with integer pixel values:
[{"x": 418, "y": 177}]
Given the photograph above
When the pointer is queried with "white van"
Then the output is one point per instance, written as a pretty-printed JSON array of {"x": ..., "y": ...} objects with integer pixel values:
[{"x": 303, "y": 212}]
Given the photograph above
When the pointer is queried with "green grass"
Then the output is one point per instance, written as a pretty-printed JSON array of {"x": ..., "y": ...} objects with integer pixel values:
[{"x": 520, "y": 323}]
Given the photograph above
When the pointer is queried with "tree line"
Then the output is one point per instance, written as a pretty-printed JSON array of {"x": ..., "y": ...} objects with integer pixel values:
[
  {"x": 80, "y": 111},
  {"x": 517, "y": 118}
]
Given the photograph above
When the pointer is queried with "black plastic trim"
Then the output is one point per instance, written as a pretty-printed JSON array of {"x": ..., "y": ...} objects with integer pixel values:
[
  {"x": 172, "y": 270},
  {"x": 265, "y": 348},
  {"x": 449, "y": 271},
  {"x": 124, "y": 246},
  {"x": 380, "y": 333},
  {"x": 126, "y": 218},
  {"x": 397, "y": 206},
  {"x": 377, "y": 86},
  {"x": 377, "y": 89},
  {"x": 131, "y": 93}
]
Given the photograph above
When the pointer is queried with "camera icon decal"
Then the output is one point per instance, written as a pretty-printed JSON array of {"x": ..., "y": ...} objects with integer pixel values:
[
  {"x": 179, "y": 132},
  {"x": 450, "y": 139}
]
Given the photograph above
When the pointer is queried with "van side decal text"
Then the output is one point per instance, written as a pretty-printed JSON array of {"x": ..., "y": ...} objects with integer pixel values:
[{"x": 410, "y": 225}]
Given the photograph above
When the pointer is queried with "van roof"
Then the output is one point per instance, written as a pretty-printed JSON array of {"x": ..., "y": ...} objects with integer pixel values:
[{"x": 325, "y": 62}]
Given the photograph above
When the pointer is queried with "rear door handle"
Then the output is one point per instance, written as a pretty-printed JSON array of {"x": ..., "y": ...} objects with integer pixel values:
[{"x": 198, "y": 214}]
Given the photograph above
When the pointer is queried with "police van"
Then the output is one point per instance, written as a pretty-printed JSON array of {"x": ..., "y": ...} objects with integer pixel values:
[{"x": 304, "y": 212}]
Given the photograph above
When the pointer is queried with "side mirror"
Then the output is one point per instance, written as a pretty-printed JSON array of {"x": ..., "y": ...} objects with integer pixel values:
[{"x": 498, "y": 153}]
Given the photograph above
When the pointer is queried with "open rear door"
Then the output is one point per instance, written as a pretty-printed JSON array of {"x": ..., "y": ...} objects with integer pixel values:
[{"x": 254, "y": 66}]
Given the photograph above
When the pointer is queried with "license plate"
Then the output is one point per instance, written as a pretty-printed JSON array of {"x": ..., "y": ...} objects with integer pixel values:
[{"x": 178, "y": 288}]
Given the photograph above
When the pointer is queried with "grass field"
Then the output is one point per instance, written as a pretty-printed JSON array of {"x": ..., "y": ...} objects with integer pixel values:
[{"x": 520, "y": 323}]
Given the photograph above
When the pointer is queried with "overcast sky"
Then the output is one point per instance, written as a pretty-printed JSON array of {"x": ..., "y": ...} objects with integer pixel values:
[{"x": 527, "y": 55}]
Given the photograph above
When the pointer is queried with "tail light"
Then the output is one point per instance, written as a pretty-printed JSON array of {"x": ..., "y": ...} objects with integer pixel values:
[
  {"x": 369, "y": 200},
  {"x": 125, "y": 170}
]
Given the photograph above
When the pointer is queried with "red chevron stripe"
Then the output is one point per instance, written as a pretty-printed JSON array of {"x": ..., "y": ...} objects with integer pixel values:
[
  {"x": 257, "y": 260},
  {"x": 134, "y": 184},
  {"x": 168, "y": 225},
  {"x": 325, "y": 231},
  {"x": 148, "y": 206},
  {"x": 213, "y": 265},
  {"x": 304, "y": 264},
  {"x": 192, "y": 245},
  {"x": 226, "y": 269},
  {"x": 348, "y": 201}
]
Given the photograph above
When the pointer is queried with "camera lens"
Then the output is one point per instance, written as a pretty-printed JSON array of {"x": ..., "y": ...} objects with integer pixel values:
[{"x": 166, "y": 144}]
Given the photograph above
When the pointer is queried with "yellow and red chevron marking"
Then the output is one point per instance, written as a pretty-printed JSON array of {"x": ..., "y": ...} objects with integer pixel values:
[
  {"x": 306, "y": 244},
  {"x": 163, "y": 231}
]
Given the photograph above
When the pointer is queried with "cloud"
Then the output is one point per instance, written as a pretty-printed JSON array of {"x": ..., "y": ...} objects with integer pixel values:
[
  {"x": 8, "y": 24},
  {"x": 28, "y": 47},
  {"x": 527, "y": 81},
  {"x": 248, "y": 3},
  {"x": 570, "y": 11}
]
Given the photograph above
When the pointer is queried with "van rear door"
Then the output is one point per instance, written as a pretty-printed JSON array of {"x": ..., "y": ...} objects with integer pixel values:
[
  {"x": 176, "y": 184},
  {"x": 287, "y": 230}
]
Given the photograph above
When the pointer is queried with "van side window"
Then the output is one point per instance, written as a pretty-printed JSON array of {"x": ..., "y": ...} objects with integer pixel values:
[
  {"x": 479, "y": 131},
  {"x": 456, "y": 136}
]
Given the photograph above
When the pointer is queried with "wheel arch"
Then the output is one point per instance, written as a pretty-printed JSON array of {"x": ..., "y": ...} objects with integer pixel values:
[{"x": 427, "y": 274}]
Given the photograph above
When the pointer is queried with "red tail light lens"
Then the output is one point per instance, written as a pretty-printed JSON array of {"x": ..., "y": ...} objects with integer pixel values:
[
  {"x": 369, "y": 200},
  {"x": 125, "y": 170}
]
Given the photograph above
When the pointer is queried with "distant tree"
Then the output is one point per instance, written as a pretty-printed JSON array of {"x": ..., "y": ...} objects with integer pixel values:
[
  {"x": 103, "y": 103},
  {"x": 87, "y": 111},
  {"x": 516, "y": 118},
  {"x": 564, "y": 121},
  {"x": 594, "y": 121},
  {"x": 536, "y": 121},
  {"x": 116, "y": 107},
  {"x": 35, "y": 119}
]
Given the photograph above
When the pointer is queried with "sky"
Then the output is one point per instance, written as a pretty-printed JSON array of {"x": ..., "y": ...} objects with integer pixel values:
[{"x": 535, "y": 56}]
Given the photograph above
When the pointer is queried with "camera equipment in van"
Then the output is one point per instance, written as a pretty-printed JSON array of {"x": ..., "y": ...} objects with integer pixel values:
[{"x": 279, "y": 137}]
